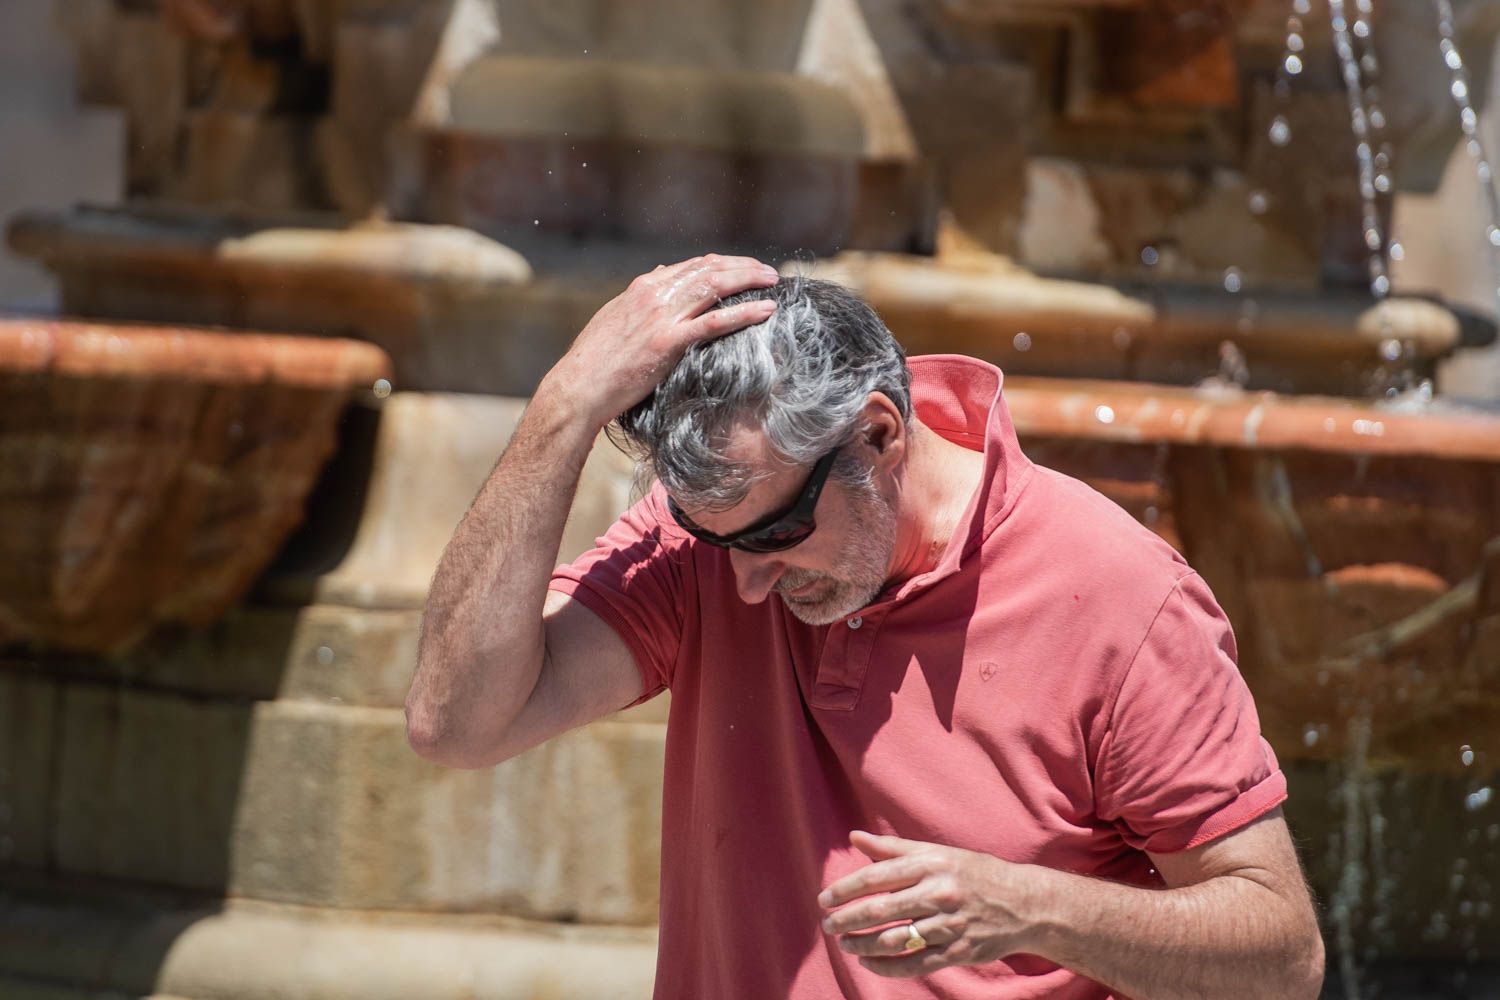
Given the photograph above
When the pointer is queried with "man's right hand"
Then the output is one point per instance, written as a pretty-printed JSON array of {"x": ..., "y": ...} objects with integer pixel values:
[{"x": 637, "y": 337}]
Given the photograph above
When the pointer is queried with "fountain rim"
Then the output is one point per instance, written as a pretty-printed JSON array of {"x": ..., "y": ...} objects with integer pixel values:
[
  {"x": 85, "y": 348},
  {"x": 1151, "y": 414}
]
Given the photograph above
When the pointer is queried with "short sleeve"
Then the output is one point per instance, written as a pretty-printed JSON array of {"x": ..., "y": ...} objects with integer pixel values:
[
  {"x": 1183, "y": 760},
  {"x": 633, "y": 579}
]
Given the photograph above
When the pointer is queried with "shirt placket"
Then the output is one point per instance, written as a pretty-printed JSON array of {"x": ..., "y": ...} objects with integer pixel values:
[{"x": 845, "y": 661}]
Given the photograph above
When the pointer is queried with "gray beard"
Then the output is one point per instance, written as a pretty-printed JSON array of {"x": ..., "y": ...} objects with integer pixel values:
[{"x": 869, "y": 541}]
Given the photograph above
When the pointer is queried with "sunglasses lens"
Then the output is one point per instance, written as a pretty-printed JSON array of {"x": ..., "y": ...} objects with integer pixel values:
[{"x": 776, "y": 538}]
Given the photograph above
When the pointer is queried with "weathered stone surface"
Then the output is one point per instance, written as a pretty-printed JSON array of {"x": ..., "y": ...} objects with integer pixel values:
[
  {"x": 28, "y": 719},
  {"x": 61, "y": 943},
  {"x": 326, "y": 805},
  {"x": 429, "y": 456},
  {"x": 151, "y": 473},
  {"x": 981, "y": 304},
  {"x": 720, "y": 34},
  {"x": 454, "y": 309}
]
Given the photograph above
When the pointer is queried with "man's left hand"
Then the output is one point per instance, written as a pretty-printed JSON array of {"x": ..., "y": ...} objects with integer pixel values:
[{"x": 969, "y": 907}]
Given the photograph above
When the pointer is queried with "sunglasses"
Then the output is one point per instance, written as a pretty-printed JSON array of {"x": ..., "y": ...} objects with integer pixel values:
[{"x": 776, "y": 531}]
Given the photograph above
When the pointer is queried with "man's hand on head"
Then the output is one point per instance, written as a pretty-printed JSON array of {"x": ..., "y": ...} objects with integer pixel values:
[{"x": 636, "y": 338}]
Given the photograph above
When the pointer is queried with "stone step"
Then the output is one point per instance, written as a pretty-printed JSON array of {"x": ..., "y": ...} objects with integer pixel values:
[
  {"x": 324, "y": 804},
  {"x": 63, "y": 940}
]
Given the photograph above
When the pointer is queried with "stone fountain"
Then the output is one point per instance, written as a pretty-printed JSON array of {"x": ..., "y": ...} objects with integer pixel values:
[{"x": 1150, "y": 213}]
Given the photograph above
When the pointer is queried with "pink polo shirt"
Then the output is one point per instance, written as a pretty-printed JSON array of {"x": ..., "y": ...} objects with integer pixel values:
[{"x": 1061, "y": 690}]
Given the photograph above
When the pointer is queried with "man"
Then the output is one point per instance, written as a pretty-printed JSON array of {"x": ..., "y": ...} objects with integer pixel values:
[{"x": 943, "y": 723}]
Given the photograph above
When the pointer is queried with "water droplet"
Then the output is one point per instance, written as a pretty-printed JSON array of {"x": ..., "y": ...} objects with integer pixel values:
[
  {"x": 1149, "y": 256},
  {"x": 1398, "y": 252},
  {"x": 1478, "y": 800},
  {"x": 1260, "y": 202},
  {"x": 1390, "y": 350},
  {"x": 1232, "y": 281},
  {"x": 536, "y": 222},
  {"x": 1493, "y": 233},
  {"x": 1382, "y": 183},
  {"x": 1377, "y": 118},
  {"x": 1293, "y": 64},
  {"x": 1460, "y": 90},
  {"x": 1380, "y": 286},
  {"x": 1372, "y": 238},
  {"x": 1466, "y": 755},
  {"x": 1451, "y": 56},
  {"x": 1361, "y": 29},
  {"x": 585, "y": 164},
  {"x": 1280, "y": 133},
  {"x": 1310, "y": 736},
  {"x": 1294, "y": 42},
  {"x": 1302, "y": 6},
  {"x": 382, "y": 388},
  {"x": 1104, "y": 414},
  {"x": 1469, "y": 120},
  {"x": 1482, "y": 171},
  {"x": 1022, "y": 341},
  {"x": 325, "y": 655}
]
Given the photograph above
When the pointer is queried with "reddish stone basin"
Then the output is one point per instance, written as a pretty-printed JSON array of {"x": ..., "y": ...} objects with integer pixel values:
[
  {"x": 148, "y": 474},
  {"x": 1354, "y": 547}
]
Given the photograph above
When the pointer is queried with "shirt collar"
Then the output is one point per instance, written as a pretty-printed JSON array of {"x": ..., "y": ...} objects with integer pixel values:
[{"x": 960, "y": 399}]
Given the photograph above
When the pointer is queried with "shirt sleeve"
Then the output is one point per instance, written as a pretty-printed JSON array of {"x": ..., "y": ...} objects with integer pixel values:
[
  {"x": 633, "y": 579},
  {"x": 1183, "y": 761}
]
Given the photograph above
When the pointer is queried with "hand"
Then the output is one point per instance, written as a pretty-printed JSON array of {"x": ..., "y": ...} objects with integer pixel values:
[
  {"x": 969, "y": 907},
  {"x": 638, "y": 336}
]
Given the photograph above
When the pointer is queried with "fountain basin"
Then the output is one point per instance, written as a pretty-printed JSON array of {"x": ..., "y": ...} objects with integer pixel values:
[
  {"x": 1354, "y": 547},
  {"x": 151, "y": 473}
]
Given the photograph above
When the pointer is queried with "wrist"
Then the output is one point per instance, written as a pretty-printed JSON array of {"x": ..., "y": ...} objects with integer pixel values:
[{"x": 1041, "y": 902}]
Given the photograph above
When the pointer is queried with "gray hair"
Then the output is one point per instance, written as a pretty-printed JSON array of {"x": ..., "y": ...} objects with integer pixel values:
[{"x": 801, "y": 377}]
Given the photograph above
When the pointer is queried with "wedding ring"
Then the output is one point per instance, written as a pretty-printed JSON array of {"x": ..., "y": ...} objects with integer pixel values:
[{"x": 914, "y": 940}]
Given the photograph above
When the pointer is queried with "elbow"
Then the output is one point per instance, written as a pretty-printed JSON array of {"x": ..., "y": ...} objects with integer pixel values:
[{"x": 1313, "y": 966}]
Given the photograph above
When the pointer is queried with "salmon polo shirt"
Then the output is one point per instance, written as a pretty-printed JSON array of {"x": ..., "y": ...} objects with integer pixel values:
[{"x": 1060, "y": 690}]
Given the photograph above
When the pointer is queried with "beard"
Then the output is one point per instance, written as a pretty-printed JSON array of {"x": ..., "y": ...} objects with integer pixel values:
[{"x": 869, "y": 540}]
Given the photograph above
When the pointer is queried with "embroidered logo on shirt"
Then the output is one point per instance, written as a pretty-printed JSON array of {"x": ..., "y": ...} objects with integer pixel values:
[{"x": 987, "y": 670}]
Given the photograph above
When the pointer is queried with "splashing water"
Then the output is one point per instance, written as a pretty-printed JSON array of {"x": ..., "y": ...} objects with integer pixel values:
[
  {"x": 1468, "y": 120},
  {"x": 1360, "y": 73}
]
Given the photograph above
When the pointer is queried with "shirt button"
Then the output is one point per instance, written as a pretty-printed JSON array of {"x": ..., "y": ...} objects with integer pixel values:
[{"x": 856, "y": 622}]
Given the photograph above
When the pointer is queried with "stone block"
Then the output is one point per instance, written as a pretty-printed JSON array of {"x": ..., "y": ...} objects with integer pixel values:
[
  {"x": 720, "y": 34},
  {"x": 248, "y": 160},
  {"x": 29, "y": 707},
  {"x": 431, "y": 453},
  {"x": 147, "y": 785},
  {"x": 326, "y": 805},
  {"x": 60, "y": 941}
]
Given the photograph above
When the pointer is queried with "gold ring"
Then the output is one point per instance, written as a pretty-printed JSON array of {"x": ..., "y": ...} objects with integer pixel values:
[{"x": 914, "y": 940}]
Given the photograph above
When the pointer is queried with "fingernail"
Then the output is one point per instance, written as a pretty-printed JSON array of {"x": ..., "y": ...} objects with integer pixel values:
[
  {"x": 825, "y": 900},
  {"x": 827, "y": 926}
]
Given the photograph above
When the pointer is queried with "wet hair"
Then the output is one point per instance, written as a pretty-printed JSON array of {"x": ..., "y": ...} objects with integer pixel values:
[{"x": 801, "y": 377}]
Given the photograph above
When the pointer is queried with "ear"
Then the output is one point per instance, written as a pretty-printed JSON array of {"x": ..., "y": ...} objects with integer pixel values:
[{"x": 884, "y": 431}]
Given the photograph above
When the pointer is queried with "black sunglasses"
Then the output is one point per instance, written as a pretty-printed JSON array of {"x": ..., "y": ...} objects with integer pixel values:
[{"x": 776, "y": 531}]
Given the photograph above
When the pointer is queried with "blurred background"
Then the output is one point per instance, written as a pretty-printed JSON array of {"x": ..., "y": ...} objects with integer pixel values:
[{"x": 280, "y": 274}]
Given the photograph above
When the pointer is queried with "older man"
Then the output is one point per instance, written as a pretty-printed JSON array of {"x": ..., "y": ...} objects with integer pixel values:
[{"x": 944, "y": 723}]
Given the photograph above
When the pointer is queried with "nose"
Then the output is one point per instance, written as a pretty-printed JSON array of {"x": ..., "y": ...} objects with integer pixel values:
[{"x": 754, "y": 574}]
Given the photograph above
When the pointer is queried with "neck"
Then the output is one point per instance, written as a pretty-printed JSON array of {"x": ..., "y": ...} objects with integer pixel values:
[{"x": 937, "y": 481}]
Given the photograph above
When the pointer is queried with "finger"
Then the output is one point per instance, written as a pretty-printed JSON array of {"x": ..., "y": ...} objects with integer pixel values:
[
  {"x": 894, "y": 940},
  {"x": 718, "y": 322},
  {"x": 695, "y": 291},
  {"x": 874, "y": 911},
  {"x": 878, "y": 848},
  {"x": 882, "y": 876}
]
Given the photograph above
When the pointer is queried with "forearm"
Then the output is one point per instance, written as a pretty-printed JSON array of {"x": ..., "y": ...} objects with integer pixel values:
[
  {"x": 1226, "y": 937},
  {"x": 483, "y": 638}
]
